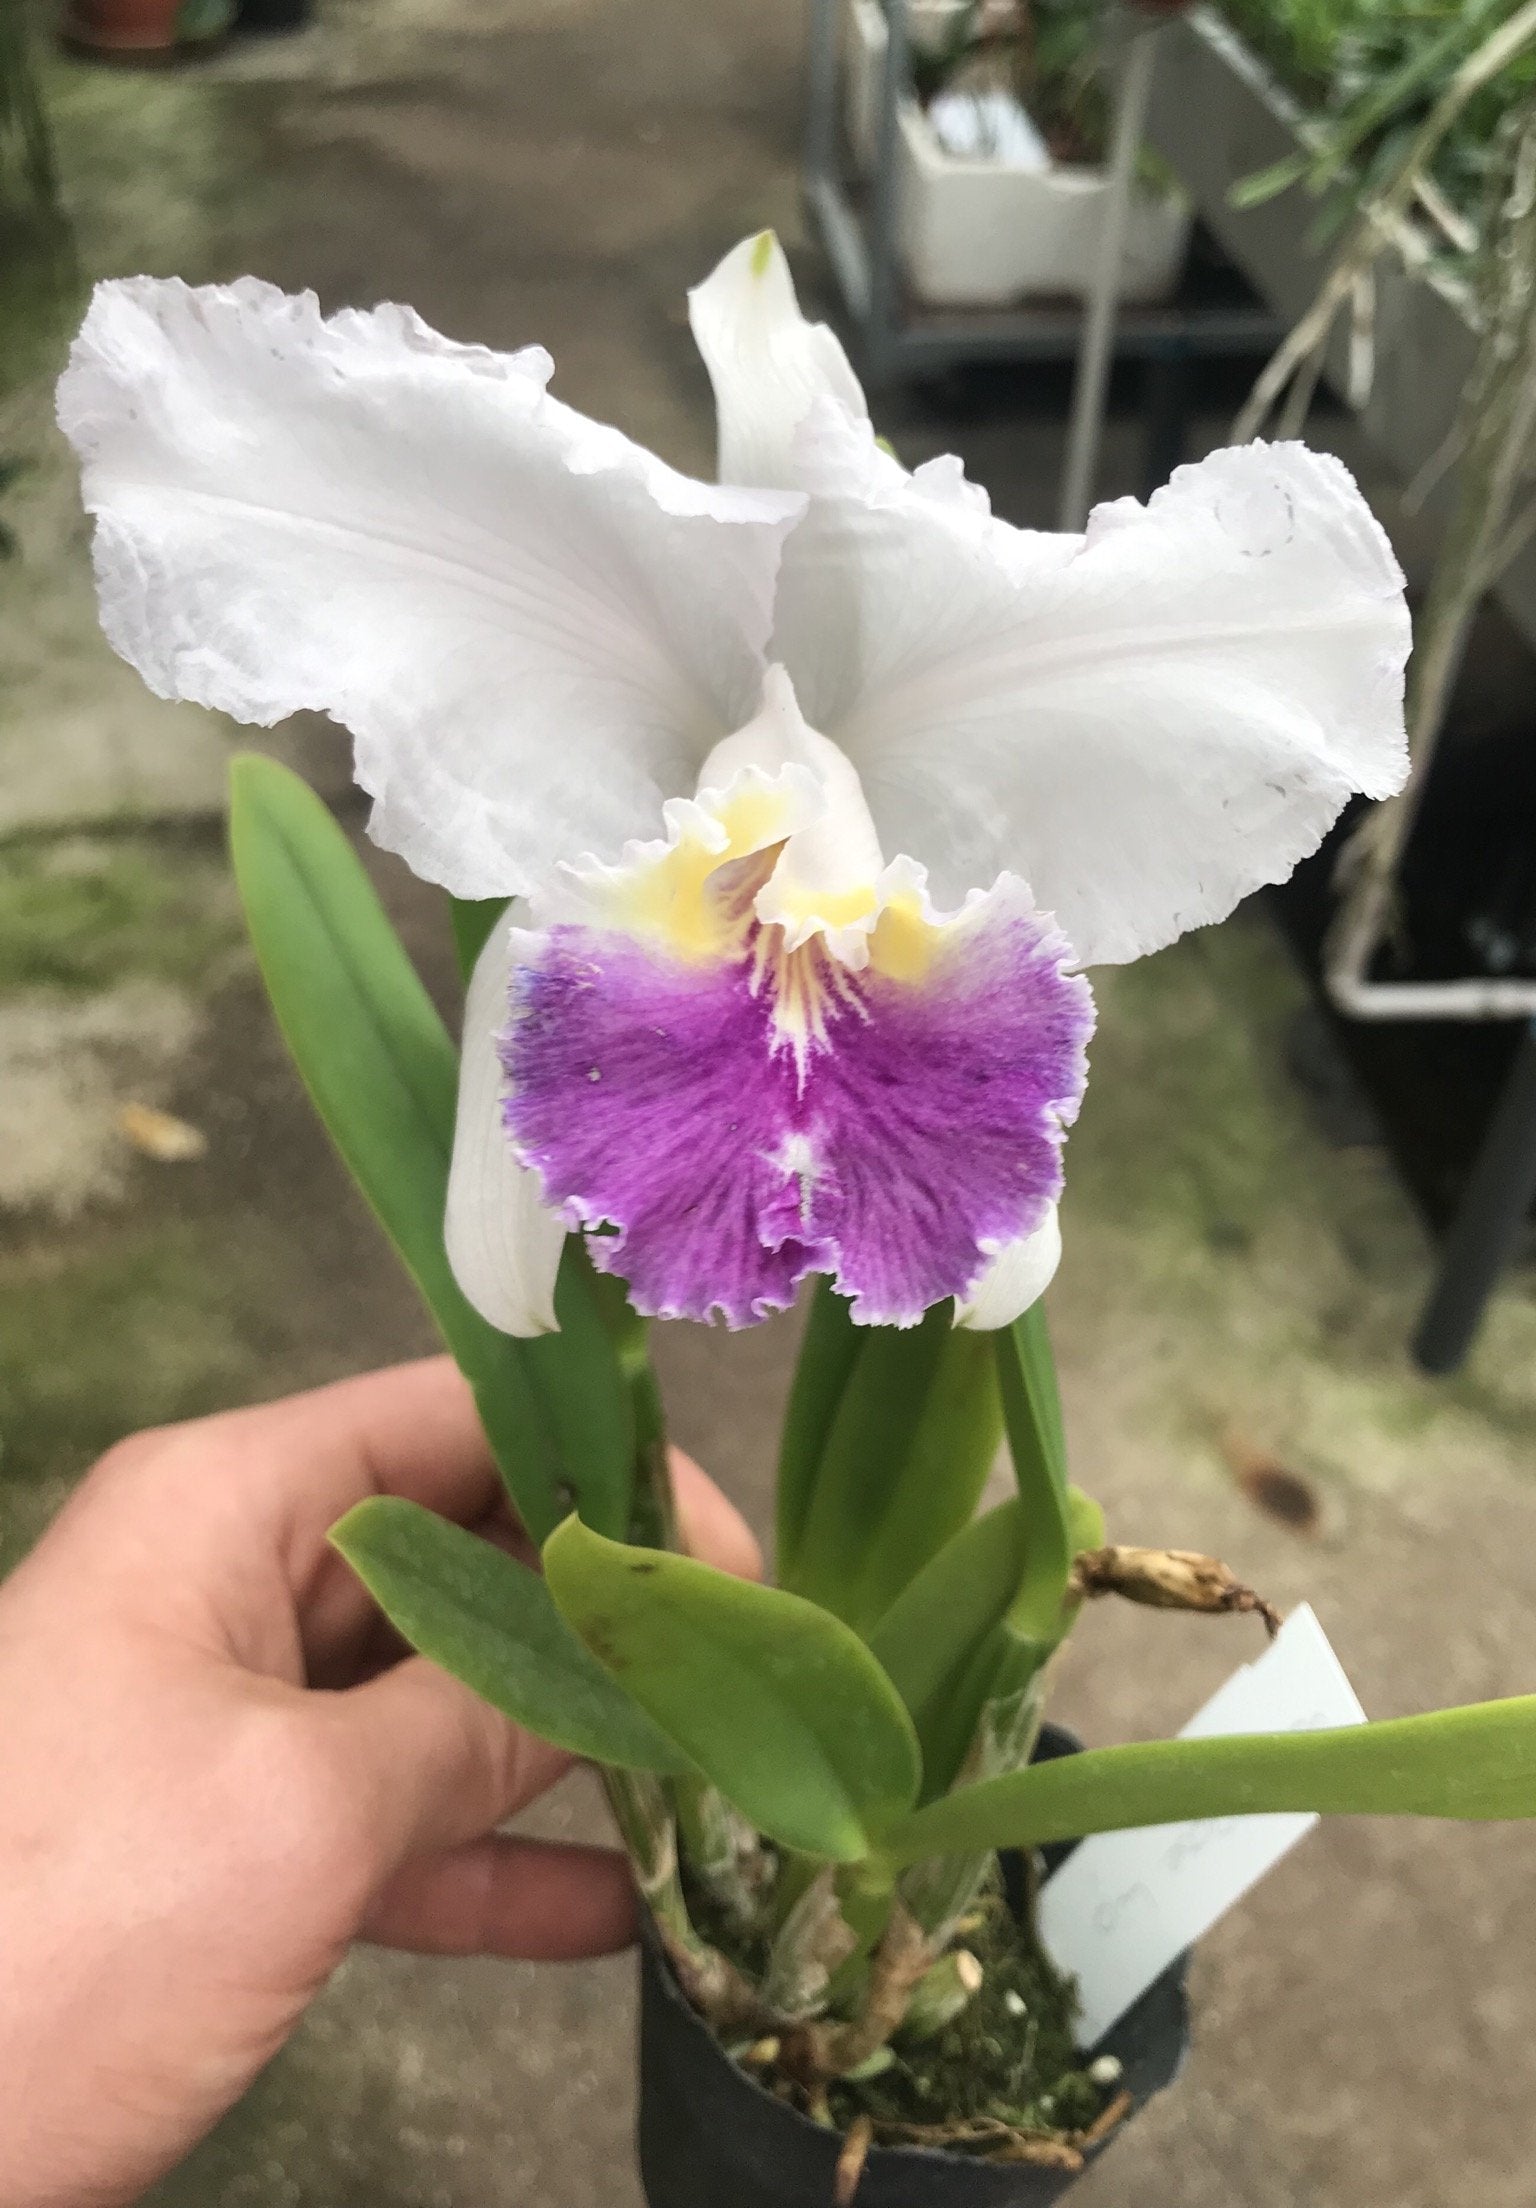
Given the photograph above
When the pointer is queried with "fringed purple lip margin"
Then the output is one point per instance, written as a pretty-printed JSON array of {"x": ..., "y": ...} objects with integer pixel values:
[{"x": 659, "y": 1098}]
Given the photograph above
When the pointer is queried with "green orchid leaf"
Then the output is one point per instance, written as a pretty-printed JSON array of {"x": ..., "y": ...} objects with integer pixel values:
[
  {"x": 383, "y": 1075},
  {"x": 937, "y": 1640},
  {"x": 1028, "y": 1342},
  {"x": 906, "y": 1456},
  {"x": 945, "y": 1641},
  {"x": 1475, "y": 1762},
  {"x": 472, "y": 919},
  {"x": 936, "y": 1483},
  {"x": 1085, "y": 1521},
  {"x": 779, "y": 1704},
  {"x": 586, "y": 1398},
  {"x": 1032, "y": 1414},
  {"x": 828, "y": 1353},
  {"x": 492, "y": 1622}
]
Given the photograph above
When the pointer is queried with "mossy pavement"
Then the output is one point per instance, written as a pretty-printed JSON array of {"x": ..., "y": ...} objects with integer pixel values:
[{"x": 1234, "y": 1282}]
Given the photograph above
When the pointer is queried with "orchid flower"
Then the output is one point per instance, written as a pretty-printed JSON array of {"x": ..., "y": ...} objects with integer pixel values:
[{"x": 816, "y": 788}]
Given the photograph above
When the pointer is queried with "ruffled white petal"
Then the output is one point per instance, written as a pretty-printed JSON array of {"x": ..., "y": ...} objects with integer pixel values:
[
  {"x": 534, "y": 630},
  {"x": 766, "y": 362},
  {"x": 503, "y": 1241},
  {"x": 1148, "y": 722},
  {"x": 1017, "y": 1276}
]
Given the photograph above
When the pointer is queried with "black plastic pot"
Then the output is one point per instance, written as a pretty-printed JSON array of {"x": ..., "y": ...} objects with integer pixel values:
[
  {"x": 261, "y": 16},
  {"x": 710, "y": 2137}
]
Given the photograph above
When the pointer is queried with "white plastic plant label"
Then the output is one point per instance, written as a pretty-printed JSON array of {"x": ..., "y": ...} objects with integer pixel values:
[{"x": 1125, "y": 1904}]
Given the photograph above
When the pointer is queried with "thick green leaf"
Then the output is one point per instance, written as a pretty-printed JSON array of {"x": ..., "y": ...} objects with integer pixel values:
[
  {"x": 936, "y": 1484},
  {"x": 472, "y": 919},
  {"x": 1085, "y": 1521},
  {"x": 586, "y": 1399},
  {"x": 946, "y": 1642},
  {"x": 776, "y": 1701},
  {"x": 1030, "y": 1340},
  {"x": 493, "y": 1624},
  {"x": 383, "y": 1074},
  {"x": 936, "y": 1640},
  {"x": 828, "y": 1352},
  {"x": 906, "y": 1457},
  {"x": 652, "y": 1512},
  {"x": 1477, "y": 1762},
  {"x": 1032, "y": 1414}
]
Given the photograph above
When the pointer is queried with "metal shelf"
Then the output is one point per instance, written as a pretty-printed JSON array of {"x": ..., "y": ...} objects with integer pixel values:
[{"x": 899, "y": 340}]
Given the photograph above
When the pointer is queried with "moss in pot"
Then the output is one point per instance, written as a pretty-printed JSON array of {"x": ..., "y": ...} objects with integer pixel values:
[{"x": 995, "y": 2107}]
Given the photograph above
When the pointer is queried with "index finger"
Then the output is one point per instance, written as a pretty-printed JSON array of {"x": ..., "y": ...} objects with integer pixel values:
[
  {"x": 231, "y": 1510},
  {"x": 410, "y": 1430}
]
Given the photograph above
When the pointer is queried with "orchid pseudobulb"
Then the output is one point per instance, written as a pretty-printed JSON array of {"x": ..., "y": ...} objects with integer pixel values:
[{"x": 816, "y": 788}]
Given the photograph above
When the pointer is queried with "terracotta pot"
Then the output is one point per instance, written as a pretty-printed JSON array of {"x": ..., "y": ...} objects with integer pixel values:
[
  {"x": 144, "y": 30},
  {"x": 711, "y": 2137}
]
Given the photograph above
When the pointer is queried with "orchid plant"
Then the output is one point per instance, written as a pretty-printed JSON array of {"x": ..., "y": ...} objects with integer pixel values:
[{"x": 780, "y": 817}]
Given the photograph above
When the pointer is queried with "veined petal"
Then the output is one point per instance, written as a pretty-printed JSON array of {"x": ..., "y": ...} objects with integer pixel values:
[
  {"x": 1017, "y": 1275},
  {"x": 534, "y": 630},
  {"x": 1149, "y": 721},
  {"x": 766, "y": 362},
  {"x": 746, "y": 1117},
  {"x": 503, "y": 1241}
]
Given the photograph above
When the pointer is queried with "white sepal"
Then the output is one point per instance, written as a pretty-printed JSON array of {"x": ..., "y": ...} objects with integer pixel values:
[
  {"x": 1017, "y": 1276},
  {"x": 503, "y": 1241},
  {"x": 766, "y": 362}
]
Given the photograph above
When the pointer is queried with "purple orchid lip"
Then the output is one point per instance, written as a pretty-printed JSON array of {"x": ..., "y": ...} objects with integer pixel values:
[{"x": 915, "y": 1127}]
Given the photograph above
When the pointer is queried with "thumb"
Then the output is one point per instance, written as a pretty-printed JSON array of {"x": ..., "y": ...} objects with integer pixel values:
[{"x": 436, "y": 1764}]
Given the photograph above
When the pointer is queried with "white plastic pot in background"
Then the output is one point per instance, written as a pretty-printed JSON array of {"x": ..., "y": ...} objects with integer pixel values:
[{"x": 985, "y": 233}]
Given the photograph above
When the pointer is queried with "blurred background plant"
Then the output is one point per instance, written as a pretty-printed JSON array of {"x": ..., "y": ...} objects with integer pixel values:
[
  {"x": 1455, "y": 110},
  {"x": 1372, "y": 73},
  {"x": 1367, "y": 72},
  {"x": 38, "y": 273},
  {"x": 1048, "y": 53}
]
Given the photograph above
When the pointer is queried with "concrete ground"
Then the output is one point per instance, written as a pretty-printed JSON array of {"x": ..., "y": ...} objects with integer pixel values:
[{"x": 1235, "y": 1284}]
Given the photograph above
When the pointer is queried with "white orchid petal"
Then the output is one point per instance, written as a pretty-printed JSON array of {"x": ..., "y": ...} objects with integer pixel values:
[
  {"x": 1017, "y": 1276},
  {"x": 503, "y": 1241},
  {"x": 533, "y": 629},
  {"x": 1148, "y": 722},
  {"x": 766, "y": 362}
]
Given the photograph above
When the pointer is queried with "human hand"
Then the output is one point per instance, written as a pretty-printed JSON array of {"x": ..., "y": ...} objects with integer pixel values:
[{"x": 217, "y": 1769}]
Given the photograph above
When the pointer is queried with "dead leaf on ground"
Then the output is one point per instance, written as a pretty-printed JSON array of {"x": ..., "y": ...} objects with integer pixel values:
[
  {"x": 1286, "y": 1496},
  {"x": 161, "y": 1136}
]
